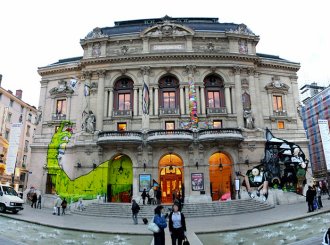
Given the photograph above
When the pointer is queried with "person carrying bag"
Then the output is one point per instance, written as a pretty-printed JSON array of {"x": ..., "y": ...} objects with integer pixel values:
[{"x": 160, "y": 221}]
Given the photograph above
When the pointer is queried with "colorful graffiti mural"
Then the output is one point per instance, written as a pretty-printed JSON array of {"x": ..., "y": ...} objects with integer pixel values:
[
  {"x": 284, "y": 167},
  {"x": 115, "y": 176}
]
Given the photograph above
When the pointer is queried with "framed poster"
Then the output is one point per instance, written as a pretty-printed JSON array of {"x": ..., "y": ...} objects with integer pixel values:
[
  {"x": 197, "y": 181},
  {"x": 144, "y": 182}
]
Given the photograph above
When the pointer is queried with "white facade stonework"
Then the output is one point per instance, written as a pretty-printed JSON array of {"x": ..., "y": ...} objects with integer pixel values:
[{"x": 183, "y": 50}]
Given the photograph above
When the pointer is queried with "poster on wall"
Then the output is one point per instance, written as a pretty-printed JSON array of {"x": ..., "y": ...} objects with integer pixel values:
[
  {"x": 197, "y": 181},
  {"x": 325, "y": 136},
  {"x": 144, "y": 182}
]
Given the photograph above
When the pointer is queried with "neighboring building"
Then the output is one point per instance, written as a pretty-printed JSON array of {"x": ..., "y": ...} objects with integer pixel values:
[
  {"x": 315, "y": 109},
  {"x": 181, "y": 102},
  {"x": 310, "y": 90},
  {"x": 14, "y": 110}
]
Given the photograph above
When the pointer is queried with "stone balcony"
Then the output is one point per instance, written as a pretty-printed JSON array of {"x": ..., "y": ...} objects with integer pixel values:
[
  {"x": 169, "y": 111},
  {"x": 220, "y": 134},
  {"x": 58, "y": 117},
  {"x": 216, "y": 111},
  {"x": 127, "y": 137},
  {"x": 175, "y": 136},
  {"x": 122, "y": 113}
]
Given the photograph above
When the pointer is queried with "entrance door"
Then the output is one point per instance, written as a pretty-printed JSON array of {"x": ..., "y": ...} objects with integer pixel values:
[{"x": 171, "y": 184}]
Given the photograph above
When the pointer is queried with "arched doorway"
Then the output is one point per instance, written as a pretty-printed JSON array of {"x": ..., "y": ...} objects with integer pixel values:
[
  {"x": 220, "y": 175},
  {"x": 120, "y": 179},
  {"x": 171, "y": 177}
]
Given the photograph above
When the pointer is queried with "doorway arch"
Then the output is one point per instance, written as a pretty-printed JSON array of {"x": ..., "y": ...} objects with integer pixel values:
[
  {"x": 171, "y": 177},
  {"x": 120, "y": 179},
  {"x": 220, "y": 175}
]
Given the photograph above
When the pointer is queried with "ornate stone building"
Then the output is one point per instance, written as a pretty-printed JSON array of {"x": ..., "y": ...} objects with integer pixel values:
[{"x": 181, "y": 102}]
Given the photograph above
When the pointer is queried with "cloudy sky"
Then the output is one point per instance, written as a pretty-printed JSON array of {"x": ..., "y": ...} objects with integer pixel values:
[{"x": 39, "y": 32}]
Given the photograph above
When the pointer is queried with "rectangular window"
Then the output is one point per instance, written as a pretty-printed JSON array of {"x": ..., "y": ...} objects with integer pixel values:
[
  {"x": 9, "y": 117},
  {"x": 213, "y": 99},
  {"x": 280, "y": 124},
  {"x": 28, "y": 130},
  {"x": 169, "y": 100},
  {"x": 124, "y": 101},
  {"x": 22, "y": 109},
  {"x": 122, "y": 126},
  {"x": 26, "y": 147},
  {"x": 30, "y": 117},
  {"x": 7, "y": 134},
  {"x": 24, "y": 159},
  {"x": 170, "y": 125},
  {"x": 60, "y": 107},
  {"x": 217, "y": 124},
  {"x": 277, "y": 103},
  {"x": 11, "y": 103}
]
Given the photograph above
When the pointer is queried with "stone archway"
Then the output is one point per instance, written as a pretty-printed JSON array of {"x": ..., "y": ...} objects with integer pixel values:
[
  {"x": 120, "y": 179},
  {"x": 220, "y": 168},
  {"x": 171, "y": 177}
]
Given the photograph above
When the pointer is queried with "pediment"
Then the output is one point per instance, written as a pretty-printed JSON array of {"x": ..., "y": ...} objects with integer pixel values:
[
  {"x": 167, "y": 29},
  {"x": 62, "y": 89},
  {"x": 277, "y": 86}
]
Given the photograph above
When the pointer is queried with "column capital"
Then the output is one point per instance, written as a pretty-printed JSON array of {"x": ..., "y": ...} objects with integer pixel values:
[
  {"x": 251, "y": 71},
  {"x": 237, "y": 70},
  {"x": 86, "y": 75},
  {"x": 191, "y": 69},
  {"x": 101, "y": 73}
]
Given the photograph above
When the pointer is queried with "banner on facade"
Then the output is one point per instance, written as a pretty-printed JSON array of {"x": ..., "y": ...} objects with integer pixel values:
[
  {"x": 325, "y": 137},
  {"x": 14, "y": 139},
  {"x": 197, "y": 181}
]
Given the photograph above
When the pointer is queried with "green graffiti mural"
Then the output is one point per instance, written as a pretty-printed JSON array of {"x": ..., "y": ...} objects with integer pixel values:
[{"x": 119, "y": 176}]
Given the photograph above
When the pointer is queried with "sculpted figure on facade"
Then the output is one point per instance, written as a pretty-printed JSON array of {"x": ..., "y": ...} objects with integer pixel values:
[
  {"x": 248, "y": 119},
  {"x": 89, "y": 123}
]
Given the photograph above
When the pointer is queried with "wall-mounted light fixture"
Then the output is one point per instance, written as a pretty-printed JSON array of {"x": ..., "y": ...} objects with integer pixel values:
[
  {"x": 121, "y": 169},
  {"x": 196, "y": 164},
  {"x": 144, "y": 166},
  {"x": 220, "y": 167},
  {"x": 78, "y": 165}
]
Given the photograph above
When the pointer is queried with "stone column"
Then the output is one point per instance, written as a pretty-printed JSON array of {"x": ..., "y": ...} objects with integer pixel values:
[
  {"x": 145, "y": 71},
  {"x": 198, "y": 97},
  {"x": 203, "y": 100},
  {"x": 296, "y": 100},
  {"x": 140, "y": 101},
  {"x": 227, "y": 98},
  {"x": 100, "y": 100},
  {"x": 253, "y": 97},
  {"x": 156, "y": 101},
  {"x": 135, "y": 101},
  {"x": 182, "y": 111},
  {"x": 103, "y": 49},
  {"x": 238, "y": 97},
  {"x": 151, "y": 95},
  {"x": 68, "y": 108},
  {"x": 187, "y": 99},
  {"x": 259, "y": 117},
  {"x": 110, "y": 102}
]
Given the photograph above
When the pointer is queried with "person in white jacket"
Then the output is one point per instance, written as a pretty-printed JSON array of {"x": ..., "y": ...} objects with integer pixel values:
[
  {"x": 57, "y": 205},
  {"x": 152, "y": 196}
]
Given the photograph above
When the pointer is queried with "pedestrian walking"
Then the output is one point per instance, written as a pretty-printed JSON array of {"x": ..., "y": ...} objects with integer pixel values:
[
  {"x": 39, "y": 202},
  {"x": 135, "y": 211},
  {"x": 318, "y": 196},
  {"x": 64, "y": 205},
  {"x": 160, "y": 221},
  {"x": 158, "y": 196},
  {"x": 310, "y": 199},
  {"x": 152, "y": 196},
  {"x": 177, "y": 225},
  {"x": 34, "y": 200},
  {"x": 57, "y": 206},
  {"x": 144, "y": 195}
]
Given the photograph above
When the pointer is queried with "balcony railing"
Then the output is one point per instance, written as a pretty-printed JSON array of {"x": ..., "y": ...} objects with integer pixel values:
[
  {"x": 178, "y": 135},
  {"x": 220, "y": 110},
  {"x": 120, "y": 136},
  {"x": 220, "y": 134},
  {"x": 58, "y": 117},
  {"x": 278, "y": 113},
  {"x": 120, "y": 113},
  {"x": 169, "y": 111}
]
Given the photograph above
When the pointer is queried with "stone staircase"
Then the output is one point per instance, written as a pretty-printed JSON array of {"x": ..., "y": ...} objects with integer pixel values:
[{"x": 190, "y": 210}]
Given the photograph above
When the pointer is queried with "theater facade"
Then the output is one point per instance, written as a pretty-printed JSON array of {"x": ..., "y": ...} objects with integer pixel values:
[{"x": 178, "y": 103}]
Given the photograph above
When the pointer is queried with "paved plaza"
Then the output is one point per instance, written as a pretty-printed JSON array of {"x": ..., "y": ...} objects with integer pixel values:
[{"x": 278, "y": 214}]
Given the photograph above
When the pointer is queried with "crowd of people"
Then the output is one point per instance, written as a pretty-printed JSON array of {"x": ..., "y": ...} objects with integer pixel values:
[
  {"x": 153, "y": 196},
  {"x": 314, "y": 197}
]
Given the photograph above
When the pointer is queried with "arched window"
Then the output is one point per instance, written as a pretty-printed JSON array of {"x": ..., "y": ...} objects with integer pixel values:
[
  {"x": 214, "y": 90},
  {"x": 123, "y": 94},
  {"x": 169, "y": 95}
]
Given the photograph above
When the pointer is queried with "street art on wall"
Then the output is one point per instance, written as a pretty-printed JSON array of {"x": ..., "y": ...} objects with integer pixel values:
[
  {"x": 284, "y": 167},
  {"x": 116, "y": 173}
]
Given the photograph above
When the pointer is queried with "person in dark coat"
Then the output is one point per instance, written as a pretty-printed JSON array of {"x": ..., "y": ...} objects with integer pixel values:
[
  {"x": 160, "y": 221},
  {"x": 135, "y": 211},
  {"x": 310, "y": 198},
  {"x": 39, "y": 202},
  {"x": 177, "y": 225},
  {"x": 64, "y": 205},
  {"x": 34, "y": 200},
  {"x": 144, "y": 195}
]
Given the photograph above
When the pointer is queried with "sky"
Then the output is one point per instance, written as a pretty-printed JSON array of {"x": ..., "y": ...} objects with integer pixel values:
[{"x": 37, "y": 33}]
